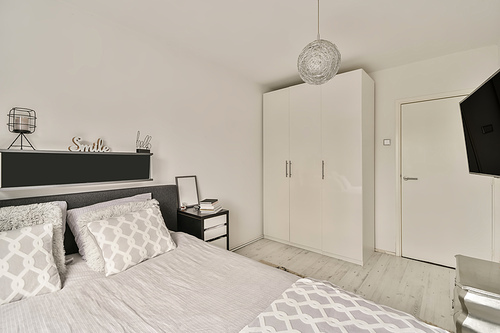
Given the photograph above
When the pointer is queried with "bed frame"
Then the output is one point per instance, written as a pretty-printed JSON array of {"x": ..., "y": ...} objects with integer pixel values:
[{"x": 165, "y": 194}]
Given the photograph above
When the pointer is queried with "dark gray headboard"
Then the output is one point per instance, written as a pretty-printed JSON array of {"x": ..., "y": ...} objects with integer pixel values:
[{"x": 165, "y": 194}]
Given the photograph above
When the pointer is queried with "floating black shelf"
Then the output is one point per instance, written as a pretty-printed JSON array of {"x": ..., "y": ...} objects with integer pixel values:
[{"x": 20, "y": 168}]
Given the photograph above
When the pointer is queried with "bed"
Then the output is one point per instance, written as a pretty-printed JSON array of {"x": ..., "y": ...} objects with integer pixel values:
[{"x": 191, "y": 287}]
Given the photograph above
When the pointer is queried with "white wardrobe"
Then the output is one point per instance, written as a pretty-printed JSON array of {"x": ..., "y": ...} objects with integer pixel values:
[{"x": 319, "y": 166}]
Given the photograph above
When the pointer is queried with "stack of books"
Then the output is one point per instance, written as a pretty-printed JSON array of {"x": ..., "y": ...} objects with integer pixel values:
[{"x": 210, "y": 206}]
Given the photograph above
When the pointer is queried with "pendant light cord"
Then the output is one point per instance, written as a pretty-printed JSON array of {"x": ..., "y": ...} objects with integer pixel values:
[
  {"x": 318, "y": 20},
  {"x": 319, "y": 61}
]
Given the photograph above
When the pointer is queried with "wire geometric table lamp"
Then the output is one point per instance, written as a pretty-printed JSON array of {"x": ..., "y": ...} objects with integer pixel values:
[
  {"x": 21, "y": 121},
  {"x": 319, "y": 61}
]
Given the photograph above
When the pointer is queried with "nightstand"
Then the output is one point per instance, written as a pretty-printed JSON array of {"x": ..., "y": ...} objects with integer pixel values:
[{"x": 210, "y": 227}]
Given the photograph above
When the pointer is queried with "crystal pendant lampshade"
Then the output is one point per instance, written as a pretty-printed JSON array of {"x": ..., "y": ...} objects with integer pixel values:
[{"x": 319, "y": 61}]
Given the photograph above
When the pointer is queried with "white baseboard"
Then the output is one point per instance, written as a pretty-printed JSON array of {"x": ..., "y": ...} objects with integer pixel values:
[
  {"x": 236, "y": 248},
  {"x": 385, "y": 252}
]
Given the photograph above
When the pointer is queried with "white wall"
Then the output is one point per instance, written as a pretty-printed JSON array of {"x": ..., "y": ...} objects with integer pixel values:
[
  {"x": 451, "y": 73},
  {"x": 86, "y": 77}
]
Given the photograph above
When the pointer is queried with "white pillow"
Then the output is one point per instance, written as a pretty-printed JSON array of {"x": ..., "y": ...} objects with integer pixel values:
[
  {"x": 15, "y": 217},
  {"x": 93, "y": 255},
  {"x": 64, "y": 207},
  {"x": 27, "y": 266},
  {"x": 73, "y": 215},
  {"x": 132, "y": 238}
]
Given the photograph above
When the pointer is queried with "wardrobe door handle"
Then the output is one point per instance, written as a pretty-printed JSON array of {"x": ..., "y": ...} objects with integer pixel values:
[
  {"x": 322, "y": 169},
  {"x": 286, "y": 169},
  {"x": 290, "y": 171}
]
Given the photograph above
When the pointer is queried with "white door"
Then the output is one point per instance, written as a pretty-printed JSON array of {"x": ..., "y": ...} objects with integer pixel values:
[
  {"x": 305, "y": 155},
  {"x": 276, "y": 156},
  {"x": 445, "y": 210}
]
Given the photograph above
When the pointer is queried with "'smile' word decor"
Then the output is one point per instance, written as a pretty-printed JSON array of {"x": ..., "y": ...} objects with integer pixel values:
[{"x": 96, "y": 147}]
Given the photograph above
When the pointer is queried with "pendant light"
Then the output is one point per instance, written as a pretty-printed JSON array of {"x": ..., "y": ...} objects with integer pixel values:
[{"x": 319, "y": 61}]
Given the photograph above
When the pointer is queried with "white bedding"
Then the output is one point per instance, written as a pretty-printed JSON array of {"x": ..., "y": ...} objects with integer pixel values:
[
  {"x": 198, "y": 288},
  {"x": 194, "y": 288}
]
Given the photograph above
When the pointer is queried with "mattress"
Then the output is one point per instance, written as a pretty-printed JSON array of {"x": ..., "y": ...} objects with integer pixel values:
[{"x": 194, "y": 288}]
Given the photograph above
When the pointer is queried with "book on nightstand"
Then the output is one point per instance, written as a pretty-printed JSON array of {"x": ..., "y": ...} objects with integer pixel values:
[{"x": 210, "y": 206}]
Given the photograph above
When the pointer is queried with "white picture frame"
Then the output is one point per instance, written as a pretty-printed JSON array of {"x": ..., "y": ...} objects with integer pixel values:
[{"x": 187, "y": 190}]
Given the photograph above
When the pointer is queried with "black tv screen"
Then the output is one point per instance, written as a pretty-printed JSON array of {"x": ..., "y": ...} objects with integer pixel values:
[{"x": 481, "y": 121}]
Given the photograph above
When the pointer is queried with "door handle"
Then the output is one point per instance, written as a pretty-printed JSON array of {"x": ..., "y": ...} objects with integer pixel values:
[
  {"x": 290, "y": 170},
  {"x": 286, "y": 169},
  {"x": 409, "y": 178}
]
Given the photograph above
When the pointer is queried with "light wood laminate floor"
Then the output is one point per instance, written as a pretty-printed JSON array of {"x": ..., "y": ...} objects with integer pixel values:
[{"x": 421, "y": 289}]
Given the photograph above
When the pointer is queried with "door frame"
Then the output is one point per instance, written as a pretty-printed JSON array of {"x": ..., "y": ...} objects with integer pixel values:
[{"x": 399, "y": 155}]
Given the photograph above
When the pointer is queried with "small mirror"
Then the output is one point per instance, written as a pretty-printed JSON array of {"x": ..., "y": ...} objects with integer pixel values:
[{"x": 187, "y": 189}]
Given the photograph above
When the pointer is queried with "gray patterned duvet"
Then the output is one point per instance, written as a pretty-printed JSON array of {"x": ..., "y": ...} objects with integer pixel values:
[{"x": 316, "y": 306}]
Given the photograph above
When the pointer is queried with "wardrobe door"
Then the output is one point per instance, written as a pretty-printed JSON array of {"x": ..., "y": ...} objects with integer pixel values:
[
  {"x": 342, "y": 212},
  {"x": 276, "y": 159},
  {"x": 305, "y": 156}
]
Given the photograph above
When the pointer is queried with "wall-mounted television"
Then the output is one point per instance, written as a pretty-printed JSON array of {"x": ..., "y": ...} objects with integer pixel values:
[{"x": 481, "y": 121}]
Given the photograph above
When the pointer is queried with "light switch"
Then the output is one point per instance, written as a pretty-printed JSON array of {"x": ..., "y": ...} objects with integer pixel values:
[{"x": 387, "y": 142}]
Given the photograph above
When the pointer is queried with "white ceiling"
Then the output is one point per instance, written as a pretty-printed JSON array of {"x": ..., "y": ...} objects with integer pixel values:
[{"x": 261, "y": 39}]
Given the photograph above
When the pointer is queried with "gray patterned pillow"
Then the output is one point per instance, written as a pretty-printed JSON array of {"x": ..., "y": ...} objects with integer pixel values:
[
  {"x": 78, "y": 228},
  {"x": 15, "y": 217},
  {"x": 132, "y": 238},
  {"x": 27, "y": 266},
  {"x": 93, "y": 255}
]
